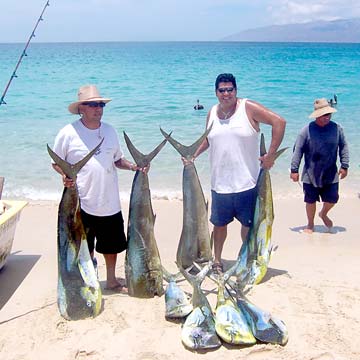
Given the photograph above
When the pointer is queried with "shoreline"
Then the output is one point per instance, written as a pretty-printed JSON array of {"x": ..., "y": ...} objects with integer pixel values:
[{"x": 281, "y": 190}]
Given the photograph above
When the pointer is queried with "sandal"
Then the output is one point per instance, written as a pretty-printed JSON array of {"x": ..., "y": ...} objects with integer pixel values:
[{"x": 217, "y": 268}]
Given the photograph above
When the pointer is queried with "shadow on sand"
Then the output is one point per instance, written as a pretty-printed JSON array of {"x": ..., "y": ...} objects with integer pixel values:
[
  {"x": 320, "y": 229},
  {"x": 16, "y": 269}
]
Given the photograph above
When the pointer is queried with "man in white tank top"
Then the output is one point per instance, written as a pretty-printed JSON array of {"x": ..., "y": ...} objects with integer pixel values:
[{"x": 234, "y": 158}]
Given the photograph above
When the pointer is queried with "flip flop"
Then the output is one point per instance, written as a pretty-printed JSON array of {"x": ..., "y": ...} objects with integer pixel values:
[{"x": 217, "y": 268}]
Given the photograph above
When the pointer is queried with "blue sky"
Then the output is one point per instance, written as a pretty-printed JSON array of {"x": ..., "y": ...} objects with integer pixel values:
[{"x": 158, "y": 20}]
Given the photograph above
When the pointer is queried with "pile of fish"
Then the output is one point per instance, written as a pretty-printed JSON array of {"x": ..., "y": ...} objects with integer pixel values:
[{"x": 235, "y": 320}]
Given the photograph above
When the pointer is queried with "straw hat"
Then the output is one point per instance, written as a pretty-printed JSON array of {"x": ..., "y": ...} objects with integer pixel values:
[
  {"x": 86, "y": 93},
  {"x": 321, "y": 107}
]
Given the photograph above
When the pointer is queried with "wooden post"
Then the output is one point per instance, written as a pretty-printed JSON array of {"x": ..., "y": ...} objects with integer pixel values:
[{"x": 1, "y": 185}]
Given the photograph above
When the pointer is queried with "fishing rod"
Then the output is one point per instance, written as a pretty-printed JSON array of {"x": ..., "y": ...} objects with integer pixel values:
[{"x": 23, "y": 54}]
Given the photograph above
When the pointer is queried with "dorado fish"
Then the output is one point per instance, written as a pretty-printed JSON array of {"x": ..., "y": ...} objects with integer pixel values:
[
  {"x": 198, "y": 331},
  {"x": 79, "y": 292},
  {"x": 255, "y": 252},
  {"x": 176, "y": 302},
  {"x": 143, "y": 270},
  {"x": 264, "y": 326},
  {"x": 230, "y": 323},
  {"x": 194, "y": 244}
]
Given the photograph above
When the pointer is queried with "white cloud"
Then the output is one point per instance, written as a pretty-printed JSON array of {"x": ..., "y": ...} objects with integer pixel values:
[{"x": 299, "y": 11}]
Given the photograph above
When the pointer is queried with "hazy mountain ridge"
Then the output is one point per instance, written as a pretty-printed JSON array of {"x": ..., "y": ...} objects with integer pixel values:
[{"x": 344, "y": 31}]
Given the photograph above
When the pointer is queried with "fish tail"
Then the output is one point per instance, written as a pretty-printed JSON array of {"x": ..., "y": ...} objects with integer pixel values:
[
  {"x": 141, "y": 159},
  {"x": 186, "y": 151},
  {"x": 263, "y": 148},
  {"x": 72, "y": 170}
]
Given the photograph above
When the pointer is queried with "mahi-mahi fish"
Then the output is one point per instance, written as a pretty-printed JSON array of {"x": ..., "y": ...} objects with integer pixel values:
[
  {"x": 143, "y": 270},
  {"x": 230, "y": 323},
  {"x": 79, "y": 292},
  {"x": 198, "y": 331},
  {"x": 264, "y": 326},
  {"x": 176, "y": 302},
  {"x": 194, "y": 244},
  {"x": 256, "y": 250}
]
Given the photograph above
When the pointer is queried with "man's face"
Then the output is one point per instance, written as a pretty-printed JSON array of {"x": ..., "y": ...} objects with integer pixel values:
[
  {"x": 323, "y": 120},
  {"x": 93, "y": 110},
  {"x": 226, "y": 92}
]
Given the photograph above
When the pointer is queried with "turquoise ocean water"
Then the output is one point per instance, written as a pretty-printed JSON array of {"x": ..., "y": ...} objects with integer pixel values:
[{"x": 156, "y": 85}]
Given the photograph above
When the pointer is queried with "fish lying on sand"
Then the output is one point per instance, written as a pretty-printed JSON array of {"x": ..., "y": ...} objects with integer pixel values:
[
  {"x": 264, "y": 326},
  {"x": 198, "y": 331},
  {"x": 256, "y": 251},
  {"x": 79, "y": 292},
  {"x": 143, "y": 270},
  {"x": 176, "y": 302},
  {"x": 230, "y": 323},
  {"x": 255, "y": 323},
  {"x": 194, "y": 244}
]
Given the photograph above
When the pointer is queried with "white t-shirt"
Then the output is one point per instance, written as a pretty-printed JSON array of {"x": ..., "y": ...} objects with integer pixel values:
[
  {"x": 233, "y": 152},
  {"x": 97, "y": 181}
]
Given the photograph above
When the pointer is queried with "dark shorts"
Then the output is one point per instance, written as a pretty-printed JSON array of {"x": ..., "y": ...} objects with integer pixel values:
[
  {"x": 108, "y": 231},
  {"x": 328, "y": 193},
  {"x": 226, "y": 207}
]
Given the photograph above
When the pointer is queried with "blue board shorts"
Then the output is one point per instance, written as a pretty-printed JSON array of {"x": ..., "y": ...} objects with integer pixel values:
[
  {"x": 226, "y": 207},
  {"x": 328, "y": 193},
  {"x": 108, "y": 231}
]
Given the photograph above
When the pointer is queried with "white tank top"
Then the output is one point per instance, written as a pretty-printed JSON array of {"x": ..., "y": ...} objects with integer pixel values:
[{"x": 234, "y": 152}]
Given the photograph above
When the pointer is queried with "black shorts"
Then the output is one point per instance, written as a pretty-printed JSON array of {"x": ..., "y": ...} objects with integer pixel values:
[
  {"x": 328, "y": 193},
  {"x": 226, "y": 207},
  {"x": 108, "y": 231}
]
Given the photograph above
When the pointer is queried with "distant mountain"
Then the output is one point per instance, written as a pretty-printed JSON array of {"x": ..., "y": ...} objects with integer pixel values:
[{"x": 344, "y": 31}]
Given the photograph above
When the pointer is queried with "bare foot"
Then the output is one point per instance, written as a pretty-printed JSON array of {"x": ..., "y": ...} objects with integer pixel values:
[
  {"x": 117, "y": 287},
  {"x": 308, "y": 230},
  {"x": 327, "y": 221},
  {"x": 115, "y": 284}
]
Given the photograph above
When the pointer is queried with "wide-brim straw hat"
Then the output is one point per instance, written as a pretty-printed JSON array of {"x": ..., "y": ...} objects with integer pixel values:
[
  {"x": 86, "y": 93},
  {"x": 321, "y": 107}
]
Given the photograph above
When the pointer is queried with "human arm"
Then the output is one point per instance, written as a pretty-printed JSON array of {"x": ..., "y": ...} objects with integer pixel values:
[
  {"x": 343, "y": 154},
  {"x": 298, "y": 152},
  {"x": 125, "y": 164},
  {"x": 257, "y": 114},
  {"x": 67, "y": 182}
]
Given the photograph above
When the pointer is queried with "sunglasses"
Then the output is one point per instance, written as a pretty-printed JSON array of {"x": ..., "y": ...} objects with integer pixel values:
[
  {"x": 228, "y": 89},
  {"x": 94, "y": 104}
]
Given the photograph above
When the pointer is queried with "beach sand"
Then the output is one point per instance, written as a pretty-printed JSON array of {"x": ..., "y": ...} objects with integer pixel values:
[{"x": 312, "y": 284}]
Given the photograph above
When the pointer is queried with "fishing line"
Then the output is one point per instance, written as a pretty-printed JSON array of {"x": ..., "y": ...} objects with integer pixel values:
[{"x": 23, "y": 54}]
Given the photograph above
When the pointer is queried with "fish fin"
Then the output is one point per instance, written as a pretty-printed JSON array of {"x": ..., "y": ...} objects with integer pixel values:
[
  {"x": 141, "y": 159},
  {"x": 186, "y": 151},
  {"x": 72, "y": 170},
  {"x": 263, "y": 148}
]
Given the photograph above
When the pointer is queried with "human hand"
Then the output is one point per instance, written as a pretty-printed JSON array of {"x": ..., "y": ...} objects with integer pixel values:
[
  {"x": 144, "y": 169},
  {"x": 267, "y": 161},
  {"x": 68, "y": 182},
  {"x": 343, "y": 173},
  {"x": 187, "y": 161},
  {"x": 294, "y": 177}
]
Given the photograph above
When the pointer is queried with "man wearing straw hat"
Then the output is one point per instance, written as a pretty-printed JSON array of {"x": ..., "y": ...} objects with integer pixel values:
[
  {"x": 97, "y": 181},
  {"x": 320, "y": 141}
]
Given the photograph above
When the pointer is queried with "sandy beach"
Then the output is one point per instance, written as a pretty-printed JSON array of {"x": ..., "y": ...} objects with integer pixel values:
[{"x": 312, "y": 284}]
